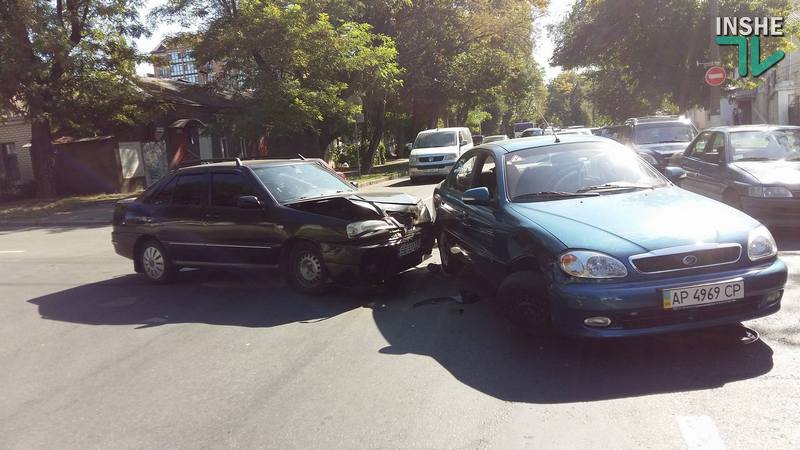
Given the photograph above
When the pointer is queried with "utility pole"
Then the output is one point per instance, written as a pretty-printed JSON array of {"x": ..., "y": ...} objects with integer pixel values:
[{"x": 714, "y": 92}]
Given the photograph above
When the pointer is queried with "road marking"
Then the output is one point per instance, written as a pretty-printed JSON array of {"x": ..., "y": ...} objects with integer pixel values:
[
  {"x": 700, "y": 433},
  {"x": 12, "y": 251}
]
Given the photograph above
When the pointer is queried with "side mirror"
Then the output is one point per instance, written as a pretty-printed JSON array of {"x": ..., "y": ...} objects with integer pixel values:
[
  {"x": 248, "y": 202},
  {"x": 477, "y": 196},
  {"x": 462, "y": 143},
  {"x": 674, "y": 174}
]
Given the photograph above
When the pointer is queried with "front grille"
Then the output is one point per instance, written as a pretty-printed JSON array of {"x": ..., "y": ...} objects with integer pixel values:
[
  {"x": 685, "y": 260},
  {"x": 431, "y": 158}
]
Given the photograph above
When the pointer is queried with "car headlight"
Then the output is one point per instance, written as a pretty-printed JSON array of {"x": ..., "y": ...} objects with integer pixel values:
[
  {"x": 588, "y": 264},
  {"x": 760, "y": 244},
  {"x": 423, "y": 214},
  {"x": 769, "y": 192},
  {"x": 450, "y": 157},
  {"x": 649, "y": 158},
  {"x": 368, "y": 228}
]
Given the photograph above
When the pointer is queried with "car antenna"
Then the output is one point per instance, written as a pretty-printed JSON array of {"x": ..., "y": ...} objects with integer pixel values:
[{"x": 547, "y": 124}]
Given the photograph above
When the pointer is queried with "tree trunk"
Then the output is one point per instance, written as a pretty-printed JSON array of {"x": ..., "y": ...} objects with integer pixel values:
[
  {"x": 43, "y": 158},
  {"x": 378, "y": 125}
]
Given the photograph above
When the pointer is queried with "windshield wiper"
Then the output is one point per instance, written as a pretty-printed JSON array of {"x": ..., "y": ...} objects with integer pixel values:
[
  {"x": 755, "y": 158},
  {"x": 553, "y": 194},
  {"x": 615, "y": 187}
]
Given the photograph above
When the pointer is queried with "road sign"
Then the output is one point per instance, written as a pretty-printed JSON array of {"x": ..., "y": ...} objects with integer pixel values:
[{"x": 715, "y": 76}]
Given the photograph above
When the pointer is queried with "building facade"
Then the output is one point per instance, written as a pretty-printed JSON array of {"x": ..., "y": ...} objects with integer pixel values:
[
  {"x": 176, "y": 61},
  {"x": 15, "y": 158}
]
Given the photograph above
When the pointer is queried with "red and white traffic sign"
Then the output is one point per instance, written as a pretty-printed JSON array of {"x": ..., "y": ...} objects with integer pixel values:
[{"x": 715, "y": 76}]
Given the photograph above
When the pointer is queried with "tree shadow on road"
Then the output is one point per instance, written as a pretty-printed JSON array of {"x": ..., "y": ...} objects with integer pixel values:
[
  {"x": 787, "y": 240},
  {"x": 481, "y": 349}
]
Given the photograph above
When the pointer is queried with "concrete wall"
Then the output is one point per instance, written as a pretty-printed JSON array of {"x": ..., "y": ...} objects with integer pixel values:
[{"x": 18, "y": 131}]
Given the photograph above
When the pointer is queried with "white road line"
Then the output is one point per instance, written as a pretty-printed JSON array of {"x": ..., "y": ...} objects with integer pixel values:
[
  {"x": 12, "y": 251},
  {"x": 700, "y": 433}
]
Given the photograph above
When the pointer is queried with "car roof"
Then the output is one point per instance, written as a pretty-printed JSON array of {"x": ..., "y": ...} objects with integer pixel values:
[
  {"x": 248, "y": 163},
  {"x": 513, "y": 145},
  {"x": 761, "y": 127}
]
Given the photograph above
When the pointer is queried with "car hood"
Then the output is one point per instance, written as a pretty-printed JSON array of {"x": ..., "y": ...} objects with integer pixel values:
[
  {"x": 390, "y": 198},
  {"x": 773, "y": 172},
  {"x": 434, "y": 150},
  {"x": 664, "y": 147},
  {"x": 641, "y": 221},
  {"x": 352, "y": 206}
]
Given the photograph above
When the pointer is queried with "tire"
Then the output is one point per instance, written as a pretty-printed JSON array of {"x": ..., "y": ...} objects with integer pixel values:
[
  {"x": 450, "y": 264},
  {"x": 306, "y": 270},
  {"x": 156, "y": 265},
  {"x": 525, "y": 302}
]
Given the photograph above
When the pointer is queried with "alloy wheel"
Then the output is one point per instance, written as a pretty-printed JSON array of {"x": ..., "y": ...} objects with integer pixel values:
[{"x": 153, "y": 263}]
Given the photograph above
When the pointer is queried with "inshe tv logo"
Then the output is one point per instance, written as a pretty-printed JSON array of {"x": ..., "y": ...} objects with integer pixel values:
[{"x": 739, "y": 30}]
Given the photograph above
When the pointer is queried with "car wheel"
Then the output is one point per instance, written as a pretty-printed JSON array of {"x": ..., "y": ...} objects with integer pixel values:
[
  {"x": 155, "y": 263},
  {"x": 524, "y": 299},
  {"x": 732, "y": 199},
  {"x": 450, "y": 264},
  {"x": 307, "y": 273}
]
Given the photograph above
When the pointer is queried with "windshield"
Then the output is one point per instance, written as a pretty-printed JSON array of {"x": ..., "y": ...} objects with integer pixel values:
[
  {"x": 762, "y": 145},
  {"x": 293, "y": 182},
  {"x": 577, "y": 168},
  {"x": 532, "y": 132},
  {"x": 435, "y": 139},
  {"x": 664, "y": 132}
]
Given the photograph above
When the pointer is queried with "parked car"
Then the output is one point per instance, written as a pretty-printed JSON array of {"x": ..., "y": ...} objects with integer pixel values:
[
  {"x": 519, "y": 127},
  {"x": 753, "y": 168},
  {"x": 495, "y": 138},
  {"x": 295, "y": 214},
  {"x": 657, "y": 139},
  {"x": 585, "y": 238},
  {"x": 477, "y": 139},
  {"x": 531, "y": 132},
  {"x": 575, "y": 130},
  {"x": 435, "y": 151}
]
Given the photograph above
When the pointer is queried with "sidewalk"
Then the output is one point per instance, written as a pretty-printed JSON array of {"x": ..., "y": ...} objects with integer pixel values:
[{"x": 96, "y": 214}]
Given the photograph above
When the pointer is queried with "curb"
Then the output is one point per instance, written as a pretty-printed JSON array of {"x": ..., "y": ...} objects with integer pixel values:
[
  {"x": 45, "y": 224},
  {"x": 388, "y": 177}
]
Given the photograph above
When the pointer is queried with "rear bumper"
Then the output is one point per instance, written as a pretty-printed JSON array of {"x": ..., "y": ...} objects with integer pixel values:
[
  {"x": 376, "y": 261},
  {"x": 124, "y": 243},
  {"x": 635, "y": 308},
  {"x": 775, "y": 212}
]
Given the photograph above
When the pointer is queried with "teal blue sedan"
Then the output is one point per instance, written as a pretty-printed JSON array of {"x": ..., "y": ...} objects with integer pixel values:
[{"x": 579, "y": 235}]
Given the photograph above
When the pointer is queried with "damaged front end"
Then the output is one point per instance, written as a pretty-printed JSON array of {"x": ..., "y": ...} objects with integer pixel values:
[{"x": 385, "y": 234}]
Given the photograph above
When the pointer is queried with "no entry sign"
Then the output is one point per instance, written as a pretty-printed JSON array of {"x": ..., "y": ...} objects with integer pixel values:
[{"x": 715, "y": 76}]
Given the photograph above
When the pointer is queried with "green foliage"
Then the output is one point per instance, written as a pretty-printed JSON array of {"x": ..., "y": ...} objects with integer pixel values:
[{"x": 642, "y": 55}]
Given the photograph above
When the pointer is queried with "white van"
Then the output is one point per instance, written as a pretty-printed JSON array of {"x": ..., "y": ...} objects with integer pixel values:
[{"x": 435, "y": 151}]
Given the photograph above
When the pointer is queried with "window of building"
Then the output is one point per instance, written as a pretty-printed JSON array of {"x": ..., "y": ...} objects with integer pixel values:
[{"x": 9, "y": 166}]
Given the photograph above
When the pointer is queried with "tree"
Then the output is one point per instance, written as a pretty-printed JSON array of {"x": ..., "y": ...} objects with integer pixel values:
[
  {"x": 567, "y": 100},
  {"x": 647, "y": 51},
  {"x": 63, "y": 63},
  {"x": 297, "y": 65}
]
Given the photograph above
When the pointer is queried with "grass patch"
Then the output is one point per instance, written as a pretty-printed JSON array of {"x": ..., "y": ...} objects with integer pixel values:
[{"x": 37, "y": 208}]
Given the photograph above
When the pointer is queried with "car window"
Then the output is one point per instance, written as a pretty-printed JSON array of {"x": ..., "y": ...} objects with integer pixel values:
[
  {"x": 764, "y": 145},
  {"x": 292, "y": 182},
  {"x": 164, "y": 195},
  {"x": 699, "y": 146},
  {"x": 191, "y": 189},
  {"x": 664, "y": 132},
  {"x": 460, "y": 178},
  {"x": 466, "y": 136},
  {"x": 487, "y": 176},
  {"x": 226, "y": 188}
]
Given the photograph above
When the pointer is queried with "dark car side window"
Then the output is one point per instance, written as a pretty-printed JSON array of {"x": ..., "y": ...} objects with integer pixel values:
[
  {"x": 191, "y": 190},
  {"x": 461, "y": 177},
  {"x": 699, "y": 147},
  {"x": 226, "y": 188},
  {"x": 487, "y": 176},
  {"x": 164, "y": 195}
]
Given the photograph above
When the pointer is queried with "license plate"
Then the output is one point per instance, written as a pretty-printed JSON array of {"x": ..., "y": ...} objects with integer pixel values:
[
  {"x": 705, "y": 294},
  {"x": 409, "y": 247}
]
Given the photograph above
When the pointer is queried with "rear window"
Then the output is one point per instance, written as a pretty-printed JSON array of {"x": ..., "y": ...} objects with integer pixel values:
[{"x": 522, "y": 126}]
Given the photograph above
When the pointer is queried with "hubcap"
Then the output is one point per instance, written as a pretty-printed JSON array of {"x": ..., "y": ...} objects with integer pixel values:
[
  {"x": 309, "y": 268},
  {"x": 153, "y": 263}
]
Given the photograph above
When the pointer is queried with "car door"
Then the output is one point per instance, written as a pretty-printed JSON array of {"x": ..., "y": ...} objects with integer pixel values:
[
  {"x": 691, "y": 162},
  {"x": 450, "y": 209},
  {"x": 483, "y": 225},
  {"x": 709, "y": 167},
  {"x": 240, "y": 234},
  {"x": 182, "y": 223}
]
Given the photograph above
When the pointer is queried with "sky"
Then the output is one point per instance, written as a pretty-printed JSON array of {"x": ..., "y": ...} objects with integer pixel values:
[{"x": 542, "y": 53}]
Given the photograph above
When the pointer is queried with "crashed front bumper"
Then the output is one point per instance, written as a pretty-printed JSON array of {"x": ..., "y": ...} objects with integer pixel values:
[{"x": 378, "y": 260}]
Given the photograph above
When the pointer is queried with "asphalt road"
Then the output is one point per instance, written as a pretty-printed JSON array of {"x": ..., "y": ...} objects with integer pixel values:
[{"x": 91, "y": 356}]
